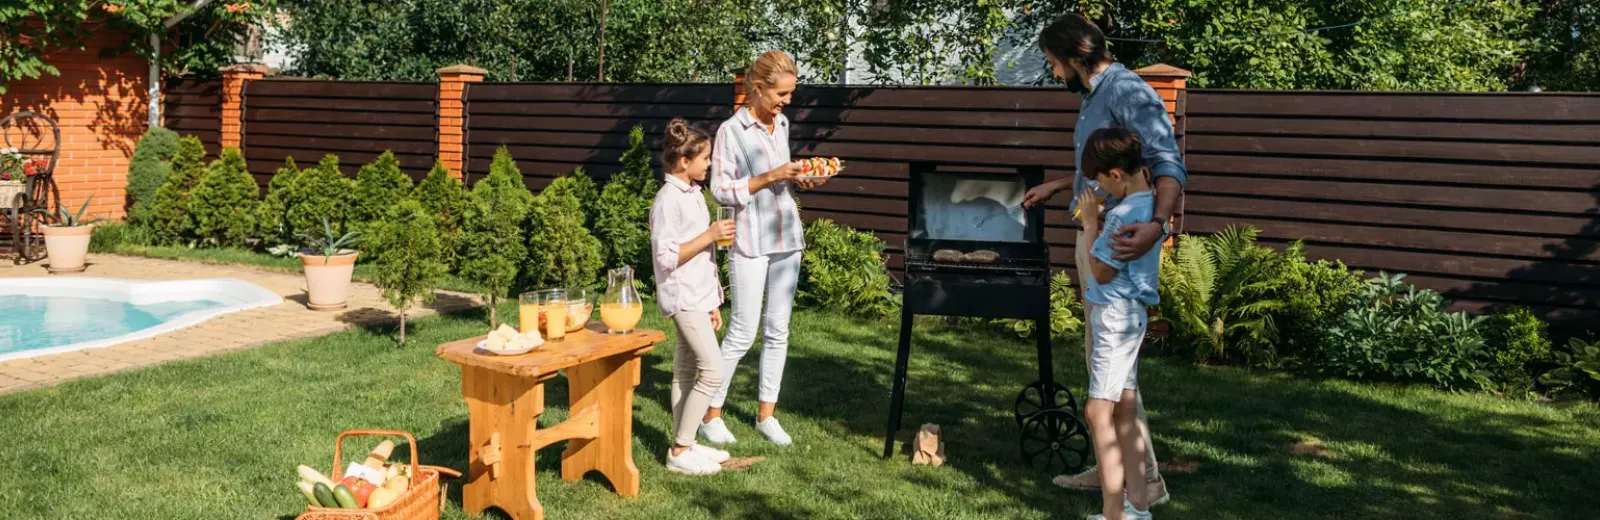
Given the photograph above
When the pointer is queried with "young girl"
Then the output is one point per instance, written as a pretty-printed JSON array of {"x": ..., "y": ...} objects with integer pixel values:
[
  {"x": 681, "y": 239},
  {"x": 1118, "y": 292}
]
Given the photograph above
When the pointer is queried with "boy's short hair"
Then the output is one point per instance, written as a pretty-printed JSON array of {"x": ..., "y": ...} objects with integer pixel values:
[{"x": 1111, "y": 147}]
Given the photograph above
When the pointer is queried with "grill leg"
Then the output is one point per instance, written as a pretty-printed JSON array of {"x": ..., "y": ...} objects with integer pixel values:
[
  {"x": 897, "y": 399},
  {"x": 1041, "y": 336}
]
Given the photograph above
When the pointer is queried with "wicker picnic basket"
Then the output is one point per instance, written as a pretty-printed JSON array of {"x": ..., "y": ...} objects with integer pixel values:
[{"x": 421, "y": 501}]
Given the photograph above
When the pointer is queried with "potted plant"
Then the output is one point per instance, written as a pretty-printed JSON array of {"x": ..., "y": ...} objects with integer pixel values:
[
  {"x": 66, "y": 242},
  {"x": 328, "y": 261}
]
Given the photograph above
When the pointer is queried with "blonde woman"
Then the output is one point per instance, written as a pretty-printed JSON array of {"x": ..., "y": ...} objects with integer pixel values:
[{"x": 751, "y": 172}]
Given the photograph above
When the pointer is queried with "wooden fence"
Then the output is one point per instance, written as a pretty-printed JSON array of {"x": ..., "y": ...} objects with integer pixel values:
[
  {"x": 1492, "y": 199},
  {"x": 1489, "y": 198},
  {"x": 194, "y": 107},
  {"x": 307, "y": 119}
]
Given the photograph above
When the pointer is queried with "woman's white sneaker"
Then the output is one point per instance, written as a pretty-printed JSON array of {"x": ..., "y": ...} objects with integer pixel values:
[
  {"x": 774, "y": 432},
  {"x": 691, "y": 462},
  {"x": 710, "y": 453},
  {"x": 717, "y": 432}
]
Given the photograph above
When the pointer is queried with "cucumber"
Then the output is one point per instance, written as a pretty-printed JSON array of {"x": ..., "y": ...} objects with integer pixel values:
[
  {"x": 309, "y": 490},
  {"x": 347, "y": 500},
  {"x": 324, "y": 495}
]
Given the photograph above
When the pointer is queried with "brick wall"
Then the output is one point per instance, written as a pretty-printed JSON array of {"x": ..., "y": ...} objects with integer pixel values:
[{"x": 99, "y": 103}]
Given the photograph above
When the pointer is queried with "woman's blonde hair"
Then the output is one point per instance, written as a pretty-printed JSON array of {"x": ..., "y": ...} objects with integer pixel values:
[
  {"x": 767, "y": 68},
  {"x": 682, "y": 141}
]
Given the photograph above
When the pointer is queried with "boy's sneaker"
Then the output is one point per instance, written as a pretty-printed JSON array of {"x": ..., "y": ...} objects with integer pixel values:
[
  {"x": 710, "y": 453},
  {"x": 717, "y": 432},
  {"x": 1089, "y": 480},
  {"x": 774, "y": 432},
  {"x": 1129, "y": 513},
  {"x": 691, "y": 462}
]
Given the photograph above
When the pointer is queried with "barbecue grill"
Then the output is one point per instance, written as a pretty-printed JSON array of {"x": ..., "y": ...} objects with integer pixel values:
[{"x": 964, "y": 210}]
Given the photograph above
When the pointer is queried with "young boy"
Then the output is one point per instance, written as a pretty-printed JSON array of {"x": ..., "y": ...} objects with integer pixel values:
[{"x": 1118, "y": 292}]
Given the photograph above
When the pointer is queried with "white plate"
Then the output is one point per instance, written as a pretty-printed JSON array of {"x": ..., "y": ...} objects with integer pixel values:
[{"x": 514, "y": 352}]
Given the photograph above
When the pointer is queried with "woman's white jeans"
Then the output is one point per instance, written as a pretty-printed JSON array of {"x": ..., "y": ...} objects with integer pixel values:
[{"x": 749, "y": 279}]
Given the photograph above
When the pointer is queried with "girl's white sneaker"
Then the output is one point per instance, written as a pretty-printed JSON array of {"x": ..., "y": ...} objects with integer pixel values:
[
  {"x": 717, "y": 432},
  {"x": 690, "y": 462},
  {"x": 774, "y": 432},
  {"x": 710, "y": 453}
]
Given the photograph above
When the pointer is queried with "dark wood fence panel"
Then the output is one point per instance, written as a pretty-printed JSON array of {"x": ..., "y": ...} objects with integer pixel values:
[
  {"x": 356, "y": 120},
  {"x": 194, "y": 107},
  {"x": 1492, "y": 199}
]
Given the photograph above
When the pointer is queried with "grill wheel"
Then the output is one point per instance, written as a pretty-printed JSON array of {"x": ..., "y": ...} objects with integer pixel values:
[
  {"x": 1031, "y": 400},
  {"x": 1055, "y": 441}
]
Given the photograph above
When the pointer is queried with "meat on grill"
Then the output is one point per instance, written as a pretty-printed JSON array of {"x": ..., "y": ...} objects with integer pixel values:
[
  {"x": 981, "y": 256},
  {"x": 948, "y": 256}
]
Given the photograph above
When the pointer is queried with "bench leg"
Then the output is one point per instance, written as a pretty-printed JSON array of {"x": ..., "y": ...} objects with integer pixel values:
[
  {"x": 503, "y": 412},
  {"x": 608, "y": 385}
]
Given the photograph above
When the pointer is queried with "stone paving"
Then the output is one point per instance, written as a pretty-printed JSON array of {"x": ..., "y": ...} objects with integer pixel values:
[{"x": 287, "y": 320}]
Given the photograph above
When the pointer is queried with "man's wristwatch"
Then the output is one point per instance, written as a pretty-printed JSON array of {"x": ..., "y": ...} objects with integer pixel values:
[{"x": 1166, "y": 227}]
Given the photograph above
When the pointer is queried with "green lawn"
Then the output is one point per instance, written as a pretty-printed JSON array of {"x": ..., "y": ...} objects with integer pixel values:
[{"x": 219, "y": 438}]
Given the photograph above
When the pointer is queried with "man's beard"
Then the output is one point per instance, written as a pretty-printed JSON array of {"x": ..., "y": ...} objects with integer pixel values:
[{"x": 1075, "y": 85}]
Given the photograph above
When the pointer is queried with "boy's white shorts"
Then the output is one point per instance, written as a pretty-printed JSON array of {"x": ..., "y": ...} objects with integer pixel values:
[{"x": 1118, "y": 331}]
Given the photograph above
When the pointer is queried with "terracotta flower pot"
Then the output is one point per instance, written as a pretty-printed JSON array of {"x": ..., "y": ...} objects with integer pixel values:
[
  {"x": 67, "y": 248},
  {"x": 328, "y": 280}
]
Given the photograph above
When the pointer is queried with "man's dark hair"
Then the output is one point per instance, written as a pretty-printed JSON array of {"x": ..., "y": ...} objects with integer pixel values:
[{"x": 1075, "y": 38}]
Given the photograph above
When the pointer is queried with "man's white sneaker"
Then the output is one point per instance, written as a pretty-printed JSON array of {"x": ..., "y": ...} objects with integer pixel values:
[
  {"x": 691, "y": 462},
  {"x": 774, "y": 432},
  {"x": 717, "y": 432},
  {"x": 710, "y": 453}
]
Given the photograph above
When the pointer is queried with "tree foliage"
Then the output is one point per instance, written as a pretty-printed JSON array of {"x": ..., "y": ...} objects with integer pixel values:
[
  {"x": 413, "y": 263},
  {"x": 444, "y": 197},
  {"x": 492, "y": 245},
  {"x": 320, "y": 194},
  {"x": 34, "y": 29},
  {"x": 561, "y": 251},
  {"x": 221, "y": 209},
  {"x": 147, "y": 170},
  {"x": 272, "y": 215},
  {"x": 379, "y": 186},
  {"x": 1567, "y": 48},
  {"x": 169, "y": 210},
  {"x": 622, "y": 220}
]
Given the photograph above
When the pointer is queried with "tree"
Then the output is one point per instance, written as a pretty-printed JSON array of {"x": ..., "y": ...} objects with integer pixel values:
[
  {"x": 493, "y": 244},
  {"x": 170, "y": 208},
  {"x": 320, "y": 193},
  {"x": 529, "y": 40},
  {"x": 1567, "y": 55},
  {"x": 623, "y": 220},
  {"x": 413, "y": 264},
  {"x": 272, "y": 215},
  {"x": 561, "y": 251},
  {"x": 202, "y": 42},
  {"x": 583, "y": 188},
  {"x": 1402, "y": 44},
  {"x": 221, "y": 207},
  {"x": 379, "y": 186},
  {"x": 927, "y": 41},
  {"x": 444, "y": 197},
  {"x": 147, "y": 170}
]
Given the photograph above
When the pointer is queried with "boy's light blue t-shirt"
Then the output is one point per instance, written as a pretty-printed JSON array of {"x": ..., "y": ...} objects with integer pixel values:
[{"x": 1135, "y": 280}]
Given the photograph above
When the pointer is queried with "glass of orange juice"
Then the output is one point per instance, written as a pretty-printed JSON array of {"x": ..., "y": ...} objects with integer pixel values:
[
  {"x": 528, "y": 309},
  {"x": 724, "y": 213},
  {"x": 555, "y": 314}
]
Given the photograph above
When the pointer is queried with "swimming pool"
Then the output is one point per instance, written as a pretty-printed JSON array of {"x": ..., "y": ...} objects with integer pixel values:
[{"x": 53, "y": 315}]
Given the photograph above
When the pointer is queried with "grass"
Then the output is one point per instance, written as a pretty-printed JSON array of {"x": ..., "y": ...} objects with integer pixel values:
[{"x": 220, "y": 437}]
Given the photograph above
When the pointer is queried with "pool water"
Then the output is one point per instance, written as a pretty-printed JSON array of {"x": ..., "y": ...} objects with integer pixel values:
[{"x": 37, "y": 322}]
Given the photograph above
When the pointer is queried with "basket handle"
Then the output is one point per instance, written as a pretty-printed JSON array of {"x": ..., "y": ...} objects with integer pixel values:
[{"x": 338, "y": 449}]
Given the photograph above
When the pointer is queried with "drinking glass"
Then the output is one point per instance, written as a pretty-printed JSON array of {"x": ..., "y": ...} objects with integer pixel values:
[
  {"x": 528, "y": 309},
  {"x": 724, "y": 213},
  {"x": 555, "y": 315}
]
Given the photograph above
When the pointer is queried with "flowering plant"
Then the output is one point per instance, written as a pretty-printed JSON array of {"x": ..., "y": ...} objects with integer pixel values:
[{"x": 14, "y": 166}]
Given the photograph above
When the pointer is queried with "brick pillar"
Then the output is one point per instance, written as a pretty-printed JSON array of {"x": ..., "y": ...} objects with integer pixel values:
[
  {"x": 233, "y": 79},
  {"x": 1169, "y": 82},
  {"x": 453, "y": 82},
  {"x": 738, "y": 89}
]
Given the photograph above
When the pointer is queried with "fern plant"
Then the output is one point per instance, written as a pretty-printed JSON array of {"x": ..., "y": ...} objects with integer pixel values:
[
  {"x": 1220, "y": 293},
  {"x": 1066, "y": 313}
]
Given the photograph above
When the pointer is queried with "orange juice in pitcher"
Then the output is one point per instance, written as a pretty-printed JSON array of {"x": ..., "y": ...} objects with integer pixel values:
[{"x": 621, "y": 308}]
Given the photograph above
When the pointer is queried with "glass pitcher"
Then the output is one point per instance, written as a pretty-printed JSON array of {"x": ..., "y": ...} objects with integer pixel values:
[{"x": 621, "y": 308}]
